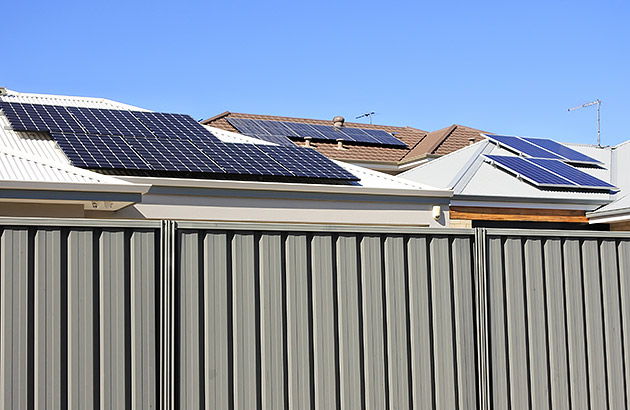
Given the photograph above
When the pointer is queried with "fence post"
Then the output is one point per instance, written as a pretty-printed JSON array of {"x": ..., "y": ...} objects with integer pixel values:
[
  {"x": 167, "y": 314},
  {"x": 481, "y": 312}
]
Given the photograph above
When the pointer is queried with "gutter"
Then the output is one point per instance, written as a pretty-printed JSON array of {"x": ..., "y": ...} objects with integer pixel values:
[{"x": 283, "y": 187}]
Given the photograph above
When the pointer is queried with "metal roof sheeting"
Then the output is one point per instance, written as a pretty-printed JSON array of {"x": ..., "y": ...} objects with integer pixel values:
[{"x": 18, "y": 166}]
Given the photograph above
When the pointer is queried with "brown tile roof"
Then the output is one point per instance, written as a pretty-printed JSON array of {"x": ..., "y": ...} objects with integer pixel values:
[
  {"x": 444, "y": 141},
  {"x": 418, "y": 142}
]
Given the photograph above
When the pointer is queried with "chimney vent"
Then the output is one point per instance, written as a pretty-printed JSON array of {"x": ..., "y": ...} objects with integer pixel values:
[
  {"x": 3, "y": 91},
  {"x": 471, "y": 140},
  {"x": 307, "y": 141},
  {"x": 340, "y": 143},
  {"x": 338, "y": 121}
]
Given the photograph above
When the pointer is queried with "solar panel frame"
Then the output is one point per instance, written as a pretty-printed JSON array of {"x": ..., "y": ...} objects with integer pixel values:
[
  {"x": 521, "y": 146},
  {"x": 569, "y": 154},
  {"x": 581, "y": 178},
  {"x": 531, "y": 172}
]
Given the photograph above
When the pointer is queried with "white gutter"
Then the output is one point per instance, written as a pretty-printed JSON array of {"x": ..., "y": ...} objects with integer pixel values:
[{"x": 285, "y": 187}]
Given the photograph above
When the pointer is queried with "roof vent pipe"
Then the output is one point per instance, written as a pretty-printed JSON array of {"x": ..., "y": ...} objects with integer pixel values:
[
  {"x": 340, "y": 143},
  {"x": 3, "y": 91},
  {"x": 471, "y": 140},
  {"x": 307, "y": 141},
  {"x": 338, "y": 121}
]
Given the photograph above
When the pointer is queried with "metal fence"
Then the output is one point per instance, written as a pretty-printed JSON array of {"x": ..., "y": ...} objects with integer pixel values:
[
  {"x": 557, "y": 309},
  {"x": 119, "y": 314},
  {"x": 77, "y": 315}
]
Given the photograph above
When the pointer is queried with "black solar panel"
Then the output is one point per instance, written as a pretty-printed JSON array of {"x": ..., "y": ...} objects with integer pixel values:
[
  {"x": 242, "y": 159},
  {"x": 306, "y": 162},
  {"x": 99, "y": 151},
  {"x": 571, "y": 155},
  {"x": 164, "y": 154},
  {"x": 254, "y": 127},
  {"x": 136, "y": 140},
  {"x": 37, "y": 117}
]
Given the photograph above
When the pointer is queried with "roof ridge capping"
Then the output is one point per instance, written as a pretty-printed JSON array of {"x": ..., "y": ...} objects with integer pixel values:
[{"x": 55, "y": 99}]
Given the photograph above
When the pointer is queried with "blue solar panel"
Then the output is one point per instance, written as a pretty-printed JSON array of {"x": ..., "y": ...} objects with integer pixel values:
[
  {"x": 519, "y": 145},
  {"x": 38, "y": 117},
  {"x": 531, "y": 172},
  {"x": 570, "y": 154},
  {"x": 99, "y": 151},
  {"x": 247, "y": 126},
  {"x": 242, "y": 159},
  {"x": 173, "y": 155},
  {"x": 573, "y": 174},
  {"x": 135, "y": 140},
  {"x": 305, "y": 162},
  {"x": 253, "y": 127},
  {"x": 172, "y": 125}
]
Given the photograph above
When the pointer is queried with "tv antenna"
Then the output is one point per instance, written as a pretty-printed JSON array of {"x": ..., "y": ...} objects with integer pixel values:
[
  {"x": 599, "y": 103},
  {"x": 367, "y": 114}
]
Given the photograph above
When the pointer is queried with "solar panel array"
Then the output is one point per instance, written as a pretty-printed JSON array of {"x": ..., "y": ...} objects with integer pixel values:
[
  {"x": 257, "y": 128},
  {"x": 543, "y": 148},
  {"x": 148, "y": 141},
  {"x": 550, "y": 173}
]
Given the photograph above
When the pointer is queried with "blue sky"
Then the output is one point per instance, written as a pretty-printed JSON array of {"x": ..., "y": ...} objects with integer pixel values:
[{"x": 504, "y": 67}]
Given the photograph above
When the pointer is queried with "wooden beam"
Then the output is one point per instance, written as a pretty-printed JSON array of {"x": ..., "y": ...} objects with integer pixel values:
[{"x": 517, "y": 214}]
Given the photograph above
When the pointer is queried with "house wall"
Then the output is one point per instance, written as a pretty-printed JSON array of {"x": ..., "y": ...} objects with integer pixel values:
[
  {"x": 18, "y": 209},
  {"x": 620, "y": 226}
]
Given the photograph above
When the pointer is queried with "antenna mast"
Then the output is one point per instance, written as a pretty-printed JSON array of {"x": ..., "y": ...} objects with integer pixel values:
[
  {"x": 599, "y": 103},
  {"x": 367, "y": 114}
]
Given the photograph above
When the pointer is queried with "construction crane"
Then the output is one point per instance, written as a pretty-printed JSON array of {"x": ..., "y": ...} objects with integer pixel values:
[
  {"x": 599, "y": 103},
  {"x": 367, "y": 114}
]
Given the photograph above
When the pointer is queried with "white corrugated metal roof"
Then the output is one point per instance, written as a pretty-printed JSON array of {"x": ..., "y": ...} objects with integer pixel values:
[
  {"x": 469, "y": 175},
  {"x": 66, "y": 100},
  {"x": 18, "y": 166}
]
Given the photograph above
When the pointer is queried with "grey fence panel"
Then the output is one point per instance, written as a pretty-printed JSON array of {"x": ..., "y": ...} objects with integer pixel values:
[
  {"x": 78, "y": 315},
  {"x": 556, "y": 317},
  {"x": 326, "y": 319},
  {"x": 349, "y": 319},
  {"x": 14, "y": 299}
]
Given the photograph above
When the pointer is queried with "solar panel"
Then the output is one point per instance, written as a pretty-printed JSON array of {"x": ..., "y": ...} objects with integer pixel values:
[
  {"x": 570, "y": 154},
  {"x": 573, "y": 174},
  {"x": 247, "y": 126},
  {"x": 306, "y": 162},
  {"x": 242, "y": 159},
  {"x": 173, "y": 155},
  {"x": 253, "y": 127},
  {"x": 173, "y": 125},
  {"x": 38, "y": 117},
  {"x": 99, "y": 151},
  {"x": 519, "y": 145},
  {"x": 136, "y": 140},
  {"x": 534, "y": 173}
]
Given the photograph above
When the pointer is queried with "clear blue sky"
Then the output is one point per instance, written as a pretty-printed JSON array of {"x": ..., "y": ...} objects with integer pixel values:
[{"x": 497, "y": 66}]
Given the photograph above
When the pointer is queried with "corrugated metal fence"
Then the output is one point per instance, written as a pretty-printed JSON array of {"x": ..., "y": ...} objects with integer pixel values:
[{"x": 119, "y": 314}]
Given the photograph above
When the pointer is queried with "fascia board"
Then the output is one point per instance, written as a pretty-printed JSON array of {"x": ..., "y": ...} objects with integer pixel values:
[{"x": 285, "y": 187}]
